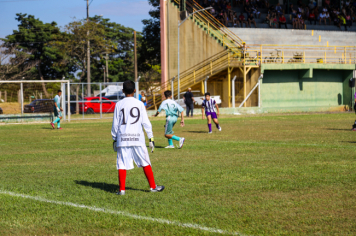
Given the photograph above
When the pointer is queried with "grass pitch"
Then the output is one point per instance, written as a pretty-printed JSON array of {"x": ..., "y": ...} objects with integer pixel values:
[{"x": 262, "y": 175}]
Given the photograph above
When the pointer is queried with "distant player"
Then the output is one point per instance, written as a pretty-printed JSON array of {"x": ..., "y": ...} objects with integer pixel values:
[
  {"x": 130, "y": 118},
  {"x": 209, "y": 105},
  {"x": 57, "y": 110},
  {"x": 172, "y": 110}
]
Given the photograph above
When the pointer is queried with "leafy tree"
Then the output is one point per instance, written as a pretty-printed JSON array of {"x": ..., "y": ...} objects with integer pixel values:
[
  {"x": 121, "y": 58},
  {"x": 150, "y": 51},
  {"x": 33, "y": 37}
]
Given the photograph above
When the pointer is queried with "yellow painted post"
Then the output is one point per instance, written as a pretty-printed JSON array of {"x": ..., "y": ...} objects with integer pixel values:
[
  {"x": 345, "y": 54},
  {"x": 202, "y": 87},
  {"x": 319, "y": 38},
  {"x": 325, "y": 57},
  {"x": 261, "y": 53},
  {"x": 327, "y": 43},
  {"x": 229, "y": 85},
  {"x": 283, "y": 57},
  {"x": 154, "y": 101},
  {"x": 303, "y": 56},
  {"x": 312, "y": 32},
  {"x": 228, "y": 59},
  {"x": 335, "y": 50}
]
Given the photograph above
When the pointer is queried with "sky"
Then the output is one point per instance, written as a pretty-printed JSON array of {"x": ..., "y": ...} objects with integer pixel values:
[{"x": 129, "y": 13}]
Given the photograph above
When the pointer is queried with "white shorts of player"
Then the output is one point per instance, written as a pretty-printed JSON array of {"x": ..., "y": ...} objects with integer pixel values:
[{"x": 127, "y": 155}]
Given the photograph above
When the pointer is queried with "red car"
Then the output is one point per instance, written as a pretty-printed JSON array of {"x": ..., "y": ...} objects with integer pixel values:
[{"x": 91, "y": 105}]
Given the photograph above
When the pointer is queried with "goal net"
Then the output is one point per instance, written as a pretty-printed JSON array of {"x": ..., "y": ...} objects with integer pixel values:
[{"x": 30, "y": 101}]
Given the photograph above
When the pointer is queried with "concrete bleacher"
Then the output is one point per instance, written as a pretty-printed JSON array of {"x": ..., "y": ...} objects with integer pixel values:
[
  {"x": 295, "y": 37},
  {"x": 261, "y": 23}
]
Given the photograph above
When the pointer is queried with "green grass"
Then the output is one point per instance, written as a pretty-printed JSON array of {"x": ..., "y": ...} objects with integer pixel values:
[{"x": 262, "y": 175}]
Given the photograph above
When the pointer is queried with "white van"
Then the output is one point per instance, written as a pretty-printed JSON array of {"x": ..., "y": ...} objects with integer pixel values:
[{"x": 110, "y": 90}]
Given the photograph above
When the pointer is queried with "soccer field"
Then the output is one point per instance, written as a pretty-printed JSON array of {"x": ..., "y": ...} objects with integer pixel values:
[{"x": 262, "y": 175}]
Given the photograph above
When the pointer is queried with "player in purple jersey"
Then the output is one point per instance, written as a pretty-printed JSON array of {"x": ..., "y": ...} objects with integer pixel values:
[{"x": 209, "y": 105}]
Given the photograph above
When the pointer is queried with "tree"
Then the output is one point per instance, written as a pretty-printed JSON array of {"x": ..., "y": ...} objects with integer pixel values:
[
  {"x": 14, "y": 63},
  {"x": 149, "y": 60},
  {"x": 150, "y": 51},
  {"x": 33, "y": 37},
  {"x": 121, "y": 61}
]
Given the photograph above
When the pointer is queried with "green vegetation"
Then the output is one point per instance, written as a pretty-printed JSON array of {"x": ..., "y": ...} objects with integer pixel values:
[{"x": 262, "y": 175}]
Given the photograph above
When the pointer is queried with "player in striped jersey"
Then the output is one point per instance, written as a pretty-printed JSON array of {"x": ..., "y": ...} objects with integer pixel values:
[{"x": 209, "y": 105}]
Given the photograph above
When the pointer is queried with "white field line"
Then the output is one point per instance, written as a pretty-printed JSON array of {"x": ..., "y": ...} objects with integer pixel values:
[{"x": 122, "y": 213}]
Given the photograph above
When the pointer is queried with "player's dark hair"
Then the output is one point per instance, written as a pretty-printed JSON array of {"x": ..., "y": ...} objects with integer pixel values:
[
  {"x": 207, "y": 94},
  {"x": 129, "y": 87},
  {"x": 59, "y": 91},
  {"x": 167, "y": 93}
]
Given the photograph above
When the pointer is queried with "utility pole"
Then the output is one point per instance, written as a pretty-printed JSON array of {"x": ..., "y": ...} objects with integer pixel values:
[
  {"x": 88, "y": 54},
  {"x": 135, "y": 57},
  {"x": 107, "y": 68}
]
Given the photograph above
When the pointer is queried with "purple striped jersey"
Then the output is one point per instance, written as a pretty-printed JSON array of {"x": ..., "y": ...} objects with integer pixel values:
[{"x": 209, "y": 105}]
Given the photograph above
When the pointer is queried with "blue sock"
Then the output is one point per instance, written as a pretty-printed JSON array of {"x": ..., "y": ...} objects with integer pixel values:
[
  {"x": 56, "y": 120},
  {"x": 175, "y": 138},
  {"x": 59, "y": 124},
  {"x": 170, "y": 142}
]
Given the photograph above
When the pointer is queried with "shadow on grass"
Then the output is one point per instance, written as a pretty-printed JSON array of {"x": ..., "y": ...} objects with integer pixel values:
[
  {"x": 111, "y": 188},
  {"x": 341, "y": 129},
  {"x": 196, "y": 132},
  {"x": 348, "y": 141}
]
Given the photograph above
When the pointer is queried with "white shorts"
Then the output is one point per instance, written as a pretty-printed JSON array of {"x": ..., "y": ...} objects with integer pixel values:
[{"x": 127, "y": 155}]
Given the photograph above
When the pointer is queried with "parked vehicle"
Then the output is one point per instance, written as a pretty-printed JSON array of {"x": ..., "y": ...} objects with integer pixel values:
[
  {"x": 91, "y": 105},
  {"x": 198, "y": 98},
  {"x": 116, "y": 97},
  {"x": 39, "y": 106},
  {"x": 110, "y": 90},
  {"x": 1, "y": 112},
  {"x": 73, "y": 104}
]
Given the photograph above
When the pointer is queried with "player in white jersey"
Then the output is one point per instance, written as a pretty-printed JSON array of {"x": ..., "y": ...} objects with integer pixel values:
[
  {"x": 130, "y": 118},
  {"x": 172, "y": 110},
  {"x": 57, "y": 110},
  {"x": 209, "y": 105}
]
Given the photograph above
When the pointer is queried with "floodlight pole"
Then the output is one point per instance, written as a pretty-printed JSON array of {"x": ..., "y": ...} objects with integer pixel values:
[
  {"x": 172, "y": 87},
  {"x": 179, "y": 24}
]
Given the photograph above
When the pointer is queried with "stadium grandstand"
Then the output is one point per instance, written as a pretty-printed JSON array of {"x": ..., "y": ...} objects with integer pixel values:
[{"x": 303, "y": 69}]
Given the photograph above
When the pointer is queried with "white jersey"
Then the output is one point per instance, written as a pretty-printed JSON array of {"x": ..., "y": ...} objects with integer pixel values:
[
  {"x": 130, "y": 118},
  {"x": 209, "y": 105}
]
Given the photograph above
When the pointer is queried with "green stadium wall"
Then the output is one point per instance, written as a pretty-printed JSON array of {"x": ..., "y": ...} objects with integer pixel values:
[{"x": 306, "y": 85}]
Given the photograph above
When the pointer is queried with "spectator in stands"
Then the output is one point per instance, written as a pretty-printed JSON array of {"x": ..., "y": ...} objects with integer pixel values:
[
  {"x": 300, "y": 20},
  {"x": 266, "y": 3},
  {"x": 295, "y": 22},
  {"x": 327, "y": 4},
  {"x": 327, "y": 18},
  {"x": 274, "y": 21},
  {"x": 311, "y": 5},
  {"x": 230, "y": 17},
  {"x": 248, "y": 9},
  {"x": 256, "y": 12},
  {"x": 236, "y": 20},
  {"x": 342, "y": 21},
  {"x": 282, "y": 21},
  {"x": 242, "y": 20},
  {"x": 306, "y": 13},
  {"x": 292, "y": 9},
  {"x": 279, "y": 9},
  {"x": 251, "y": 19},
  {"x": 312, "y": 17},
  {"x": 348, "y": 20},
  {"x": 322, "y": 17},
  {"x": 325, "y": 10}
]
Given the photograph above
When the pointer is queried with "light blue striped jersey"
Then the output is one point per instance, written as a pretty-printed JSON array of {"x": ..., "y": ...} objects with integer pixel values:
[{"x": 170, "y": 107}]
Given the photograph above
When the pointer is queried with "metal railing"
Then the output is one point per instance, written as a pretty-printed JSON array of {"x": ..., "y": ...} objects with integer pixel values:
[{"x": 255, "y": 55}]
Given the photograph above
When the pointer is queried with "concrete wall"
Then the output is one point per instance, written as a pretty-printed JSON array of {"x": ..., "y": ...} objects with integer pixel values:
[
  {"x": 195, "y": 44},
  {"x": 288, "y": 88},
  {"x": 295, "y": 37}
]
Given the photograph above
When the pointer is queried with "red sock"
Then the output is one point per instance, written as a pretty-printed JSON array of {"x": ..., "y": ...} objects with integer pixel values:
[
  {"x": 149, "y": 176},
  {"x": 122, "y": 179}
]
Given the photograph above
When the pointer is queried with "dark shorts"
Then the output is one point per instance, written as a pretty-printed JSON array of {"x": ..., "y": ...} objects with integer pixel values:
[{"x": 212, "y": 114}]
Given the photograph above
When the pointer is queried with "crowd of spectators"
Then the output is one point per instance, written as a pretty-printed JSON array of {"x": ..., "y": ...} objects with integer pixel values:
[{"x": 329, "y": 14}]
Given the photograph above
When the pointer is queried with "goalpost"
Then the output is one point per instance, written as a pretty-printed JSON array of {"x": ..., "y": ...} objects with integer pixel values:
[{"x": 34, "y": 97}]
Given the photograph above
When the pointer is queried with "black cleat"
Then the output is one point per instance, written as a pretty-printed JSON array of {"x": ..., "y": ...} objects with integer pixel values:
[{"x": 159, "y": 188}]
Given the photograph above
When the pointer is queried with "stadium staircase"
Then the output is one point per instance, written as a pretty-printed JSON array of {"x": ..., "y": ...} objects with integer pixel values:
[{"x": 231, "y": 56}]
